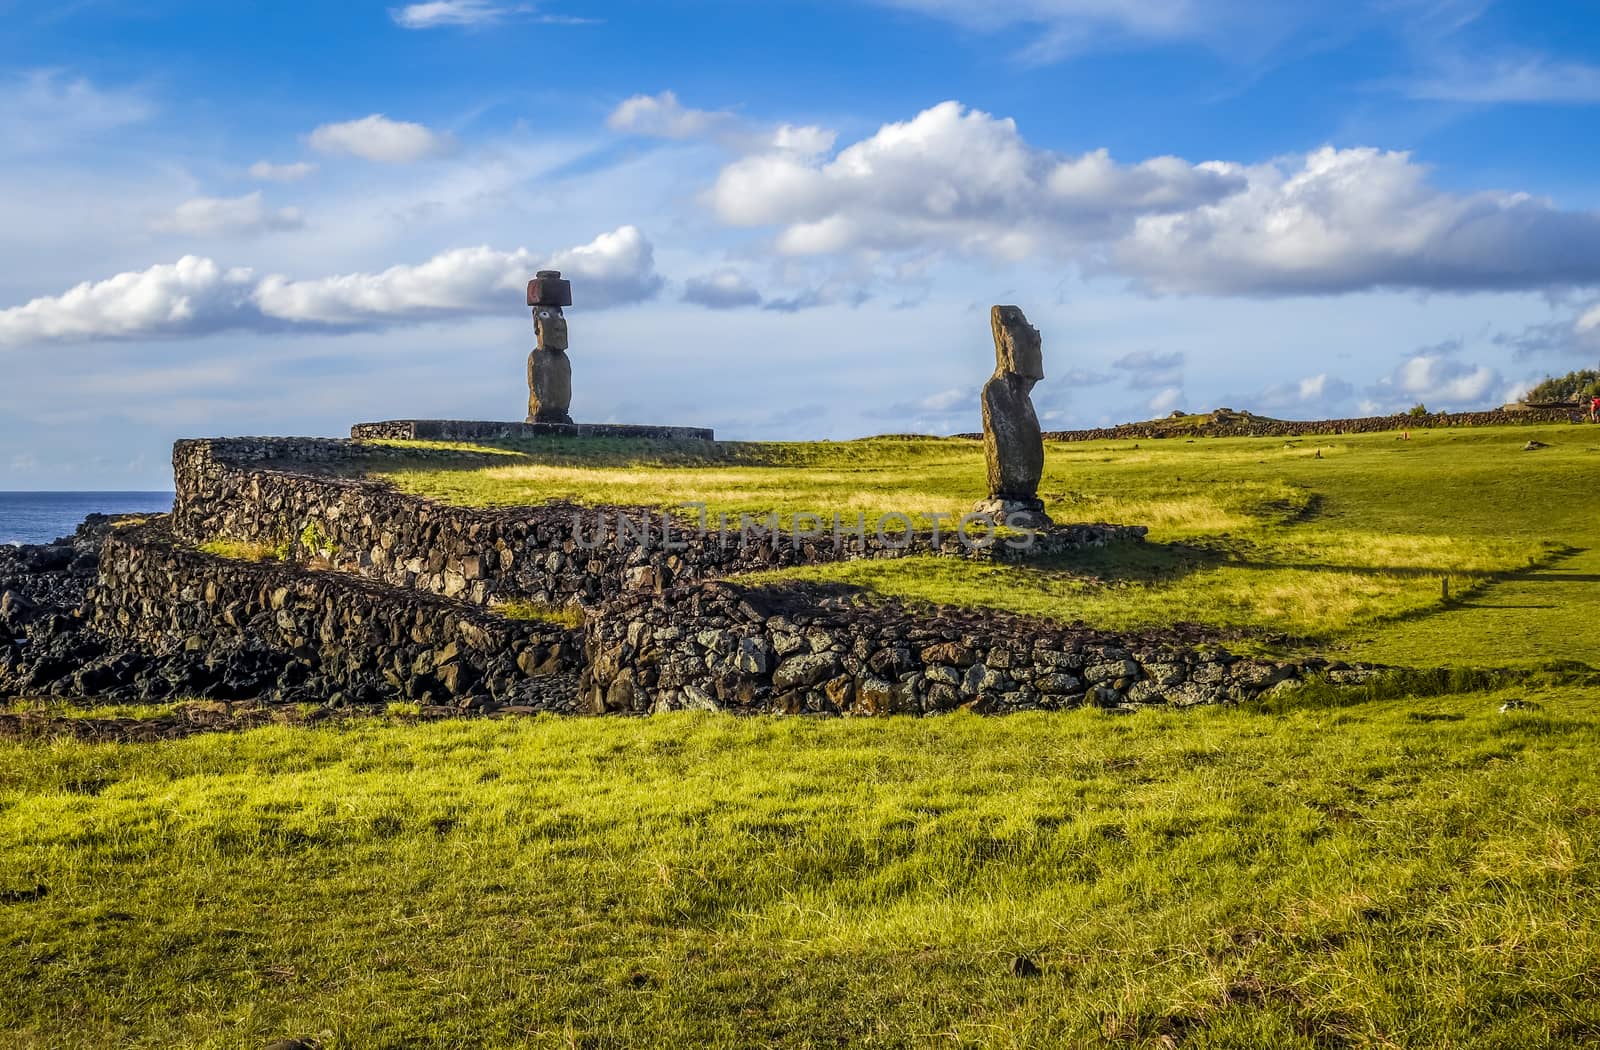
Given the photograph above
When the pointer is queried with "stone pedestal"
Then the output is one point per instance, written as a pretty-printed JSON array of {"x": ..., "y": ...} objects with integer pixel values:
[{"x": 1016, "y": 513}]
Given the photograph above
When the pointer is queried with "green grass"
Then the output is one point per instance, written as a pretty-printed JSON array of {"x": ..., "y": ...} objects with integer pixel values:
[
  {"x": 55, "y": 708},
  {"x": 1342, "y": 544},
  {"x": 1398, "y": 873},
  {"x": 562, "y": 616},
  {"x": 241, "y": 550}
]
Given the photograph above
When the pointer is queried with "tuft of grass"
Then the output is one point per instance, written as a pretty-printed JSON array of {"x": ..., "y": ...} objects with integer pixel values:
[
  {"x": 564, "y": 616},
  {"x": 1405, "y": 872},
  {"x": 241, "y": 550},
  {"x": 57, "y": 708}
]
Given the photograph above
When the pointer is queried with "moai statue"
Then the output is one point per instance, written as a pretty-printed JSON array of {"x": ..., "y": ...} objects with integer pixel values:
[
  {"x": 549, "y": 370},
  {"x": 1013, "y": 446}
]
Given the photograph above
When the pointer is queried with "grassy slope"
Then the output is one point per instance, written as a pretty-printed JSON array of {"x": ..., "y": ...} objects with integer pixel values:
[
  {"x": 1347, "y": 551},
  {"x": 1389, "y": 874}
]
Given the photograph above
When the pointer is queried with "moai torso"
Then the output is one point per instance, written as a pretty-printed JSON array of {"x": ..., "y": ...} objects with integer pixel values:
[
  {"x": 1013, "y": 445},
  {"x": 549, "y": 369}
]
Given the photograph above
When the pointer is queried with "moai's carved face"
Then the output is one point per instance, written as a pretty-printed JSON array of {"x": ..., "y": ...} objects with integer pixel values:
[
  {"x": 1017, "y": 346},
  {"x": 550, "y": 327}
]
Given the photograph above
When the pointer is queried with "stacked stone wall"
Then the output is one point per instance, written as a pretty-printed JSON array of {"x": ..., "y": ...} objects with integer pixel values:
[
  {"x": 339, "y": 637},
  {"x": 266, "y": 491},
  {"x": 815, "y": 650},
  {"x": 1251, "y": 427}
]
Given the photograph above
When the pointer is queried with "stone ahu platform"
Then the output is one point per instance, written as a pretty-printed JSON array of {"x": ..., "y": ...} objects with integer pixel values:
[
  {"x": 488, "y": 430},
  {"x": 286, "y": 575}
]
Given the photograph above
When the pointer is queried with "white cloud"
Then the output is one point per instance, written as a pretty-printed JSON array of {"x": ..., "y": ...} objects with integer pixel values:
[
  {"x": 1590, "y": 320},
  {"x": 1528, "y": 78},
  {"x": 196, "y": 296},
  {"x": 190, "y": 297},
  {"x": 377, "y": 138},
  {"x": 229, "y": 216},
  {"x": 955, "y": 182},
  {"x": 1438, "y": 381},
  {"x": 465, "y": 280},
  {"x": 948, "y": 400},
  {"x": 1313, "y": 388},
  {"x": 802, "y": 140},
  {"x": 1346, "y": 220},
  {"x": 1311, "y": 395},
  {"x": 613, "y": 269},
  {"x": 438, "y": 13},
  {"x": 1072, "y": 18},
  {"x": 723, "y": 290},
  {"x": 266, "y": 171},
  {"x": 447, "y": 13},
  {"x": 44, "y": 110},
  {"x": 1165, "y": 401},
  {"x": 662, "y": 116},
  {"x": 1040, "y": 31},
  {"x": 955, "y": 178}
]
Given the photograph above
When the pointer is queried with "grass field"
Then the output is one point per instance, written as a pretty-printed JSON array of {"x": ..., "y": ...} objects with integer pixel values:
[
  {"x": 1394, "y": 873},
  {"x": 1402, "y": 865},
  {"x": 1343, "y": 544}
]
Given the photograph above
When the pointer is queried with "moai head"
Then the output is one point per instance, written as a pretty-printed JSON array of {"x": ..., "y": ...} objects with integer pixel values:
[
  {"x": 547, "y": 294},
  {"x": 551, "y": 327},
  {"x": 1017, "y": 347}
]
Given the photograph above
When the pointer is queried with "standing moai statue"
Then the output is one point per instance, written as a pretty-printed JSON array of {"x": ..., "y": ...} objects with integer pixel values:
[
  {"x": 549, "y": 370},
  {"x": 1013, "y": 446}
]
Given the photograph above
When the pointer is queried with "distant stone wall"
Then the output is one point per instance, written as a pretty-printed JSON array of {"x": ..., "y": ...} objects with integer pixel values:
[
  {"x": 814, "y": 650},
  {"x": 484, "y": 430},
  {"x": 1318, "y": 427},
  {"x": 265, "y": 491},
  {"x": 329, "y": 636}
]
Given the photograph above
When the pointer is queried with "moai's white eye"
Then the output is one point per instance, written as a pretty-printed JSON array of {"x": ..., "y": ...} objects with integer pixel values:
[{"x": 544, "y": 315}]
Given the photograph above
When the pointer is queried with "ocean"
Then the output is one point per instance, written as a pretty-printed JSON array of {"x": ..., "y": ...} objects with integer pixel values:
[{"x": 39, "y": 517}]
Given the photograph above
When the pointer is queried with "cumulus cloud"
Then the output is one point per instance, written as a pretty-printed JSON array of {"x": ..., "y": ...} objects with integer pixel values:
[
  {"x": 229, "y": 216},
  {"x": 951, "y": 177},
  {"x": 615, "y": 268},
  {"x": 193, "y": 296},
  {"x": 1574, "y": 335},
  {"x": 377, "y": 138},
  {"x": 266, "y": 171},
  {"x": 958, "y": 181},
  {"x": 1166, "y": 401},
  {"x": 662, "y": 116},
  {"x": 1436, "y": 380},
  {"x": 196, "y": 296},
  {"x": 1353, "y": 219},
  {"x": 1317, "y": 393},
  {"x": 723, "y": 290}
]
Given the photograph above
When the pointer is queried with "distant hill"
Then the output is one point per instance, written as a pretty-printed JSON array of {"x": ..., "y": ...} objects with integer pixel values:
[{"x": 1227, "y": 422}]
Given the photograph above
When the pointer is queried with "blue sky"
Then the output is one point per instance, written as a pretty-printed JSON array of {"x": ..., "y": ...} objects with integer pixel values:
[{"x": 784, "y": 219}]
